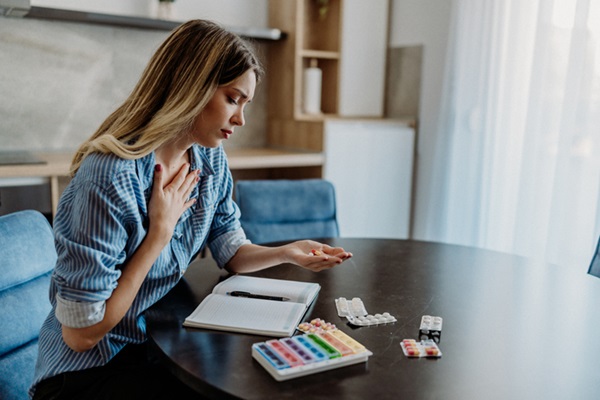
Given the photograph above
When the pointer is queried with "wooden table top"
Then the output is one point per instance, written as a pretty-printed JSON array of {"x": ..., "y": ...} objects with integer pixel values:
[{"x": 512, "y": 329}]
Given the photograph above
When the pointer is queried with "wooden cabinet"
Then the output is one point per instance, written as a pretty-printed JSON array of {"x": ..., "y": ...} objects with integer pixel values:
[
  {"x": 309, "y": 36},
  {"x": 368, "y": 158},
  {"x": 348, "y": 40}
]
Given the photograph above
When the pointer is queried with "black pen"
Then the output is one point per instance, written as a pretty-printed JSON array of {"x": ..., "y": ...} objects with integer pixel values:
[{"x": 237, "y": 293}]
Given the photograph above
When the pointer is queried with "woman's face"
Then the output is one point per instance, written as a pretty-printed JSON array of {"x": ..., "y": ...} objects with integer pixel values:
[{"x": 224, "y": 111}]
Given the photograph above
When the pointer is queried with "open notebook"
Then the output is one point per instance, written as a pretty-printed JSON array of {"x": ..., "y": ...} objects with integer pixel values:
[{"x": 279, "y": 318}]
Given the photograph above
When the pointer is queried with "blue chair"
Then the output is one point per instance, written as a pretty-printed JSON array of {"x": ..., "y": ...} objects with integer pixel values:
[
  {"x": 27, "y": 257},
  {"x": 595, "y": 264},
  {"x": 280, "y": 210}
]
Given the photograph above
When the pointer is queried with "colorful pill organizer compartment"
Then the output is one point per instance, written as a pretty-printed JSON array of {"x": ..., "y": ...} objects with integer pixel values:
[
  {"x": 320, "y": 348},
  {"x": 355, "y": 312}
]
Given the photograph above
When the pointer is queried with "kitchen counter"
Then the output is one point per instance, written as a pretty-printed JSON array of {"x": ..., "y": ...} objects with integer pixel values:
[{"x": 53, "y": 167}]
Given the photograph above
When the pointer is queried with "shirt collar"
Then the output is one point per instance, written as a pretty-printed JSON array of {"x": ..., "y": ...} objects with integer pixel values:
[{"x": 198, "y": 160}]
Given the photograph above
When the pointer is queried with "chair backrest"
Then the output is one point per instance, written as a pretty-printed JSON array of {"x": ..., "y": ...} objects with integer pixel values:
[
  {"x": 27, "y": 256},
  {"x": 278, "y": 210},
  {"x": 595, "y": 264}
]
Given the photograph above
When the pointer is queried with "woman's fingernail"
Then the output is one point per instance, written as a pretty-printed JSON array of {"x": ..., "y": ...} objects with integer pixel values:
[{"x": 158, "y": 167}]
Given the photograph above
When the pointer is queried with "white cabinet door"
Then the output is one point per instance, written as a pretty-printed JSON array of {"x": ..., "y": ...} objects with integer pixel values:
[
  {"x": 370, "y": 164},
  {"x": 363, "y": 56}
]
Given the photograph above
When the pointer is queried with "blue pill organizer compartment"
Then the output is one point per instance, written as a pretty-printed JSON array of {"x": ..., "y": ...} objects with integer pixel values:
[{"x": 308, "y": 354}]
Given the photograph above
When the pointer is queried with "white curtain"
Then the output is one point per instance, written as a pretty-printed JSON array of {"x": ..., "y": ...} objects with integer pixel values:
[{"x": 518, "y": 159}]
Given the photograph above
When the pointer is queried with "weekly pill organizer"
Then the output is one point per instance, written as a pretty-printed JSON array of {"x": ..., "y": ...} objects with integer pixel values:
[{"x": 309, "y": 353}]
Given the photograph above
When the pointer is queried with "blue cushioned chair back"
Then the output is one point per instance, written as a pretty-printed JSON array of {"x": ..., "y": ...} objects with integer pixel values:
[
  {"x": 595, "y": 265},
  {"x": 278, "y": 210},
  {"x": 27, "y": 256}
]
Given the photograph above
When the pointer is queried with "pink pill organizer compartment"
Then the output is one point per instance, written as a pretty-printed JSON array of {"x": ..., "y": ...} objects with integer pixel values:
[{"x": 309, "y": 353}]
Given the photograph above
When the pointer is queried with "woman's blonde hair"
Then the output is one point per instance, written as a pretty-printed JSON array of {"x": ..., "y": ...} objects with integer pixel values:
[{"x": 180, "y": 79}]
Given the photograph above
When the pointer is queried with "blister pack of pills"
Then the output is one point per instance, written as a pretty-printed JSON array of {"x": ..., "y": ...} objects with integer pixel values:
[
  {"x": 309, "y": 353},
  {"x": 424, "y": 348},
  {"x": 354, "y": 307},
  {"x": 430, "y": 328},
  {"x": 368, "y": 320},
  {"x": 356, "y": 313}
]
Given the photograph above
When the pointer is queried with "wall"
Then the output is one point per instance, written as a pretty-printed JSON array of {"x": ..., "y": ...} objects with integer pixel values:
[
  {"x": 424, "y": 23},
  {"x": 404, "y": 76},
  {"x": 241, "y": 13},
  {"x": 61, "y": 79}
]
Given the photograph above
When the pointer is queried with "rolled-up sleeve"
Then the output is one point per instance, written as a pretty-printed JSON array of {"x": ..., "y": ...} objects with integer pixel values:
[
  {"x": 79, "y": 314},
  {"x": 224, "y": 247},
  {"x": 91, "y": 238},
  {"x": 226, "y": 235}
]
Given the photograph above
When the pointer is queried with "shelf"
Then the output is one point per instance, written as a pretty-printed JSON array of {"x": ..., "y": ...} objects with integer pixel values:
[
  {"x": 317, "y": 31},
  {"x": 245, "y": 158},
  {"x": 314, "y": 35},
  {"x": 58, "y": 163},
  {"x": 315, "y": 117},
  {"x": 329, "y": 55},
  {"x": 56, "y": 14}
]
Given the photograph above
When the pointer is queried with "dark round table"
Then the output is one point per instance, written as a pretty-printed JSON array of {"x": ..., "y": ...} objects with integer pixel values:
[{"x": 512, "y": 329}]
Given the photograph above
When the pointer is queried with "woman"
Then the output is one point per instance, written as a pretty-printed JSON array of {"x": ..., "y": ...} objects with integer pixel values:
[{"x": 150, "y": 189}]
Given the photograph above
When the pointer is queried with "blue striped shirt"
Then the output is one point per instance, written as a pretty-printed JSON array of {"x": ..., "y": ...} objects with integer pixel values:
[{"x": 102, "y": 218}]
